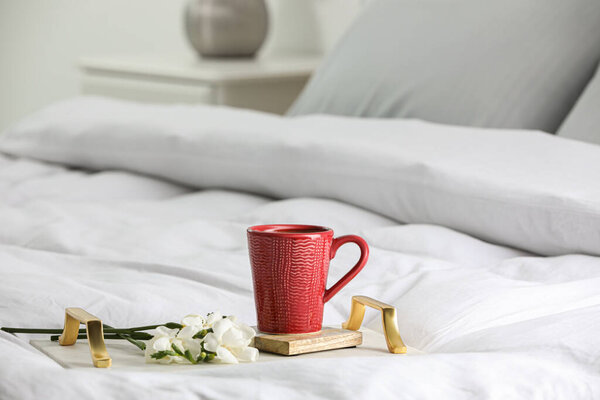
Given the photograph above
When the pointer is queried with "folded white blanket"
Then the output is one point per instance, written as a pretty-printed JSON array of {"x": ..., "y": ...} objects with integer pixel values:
[{"x": 525, "y": 189}]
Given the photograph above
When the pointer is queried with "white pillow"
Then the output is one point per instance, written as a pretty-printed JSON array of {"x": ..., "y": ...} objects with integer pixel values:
[{"x": 525, "y": 189}]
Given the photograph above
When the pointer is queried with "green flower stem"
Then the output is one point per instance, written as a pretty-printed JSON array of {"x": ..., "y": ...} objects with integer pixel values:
[
  {"x": 34, "y": 330},
  {"x": 170, "y": 325},
  {"x": 140, "y": 345},
  {"x": 50, "y": 331},
  {"x": 134, "y": 335},
  {"x": 107, "y": 329}
]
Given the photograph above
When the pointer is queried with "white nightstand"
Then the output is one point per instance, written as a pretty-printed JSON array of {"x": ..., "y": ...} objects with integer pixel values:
[{"x": 266, "y": 84}]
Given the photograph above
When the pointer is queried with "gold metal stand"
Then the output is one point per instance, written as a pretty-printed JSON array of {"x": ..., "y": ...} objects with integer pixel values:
[
  {"x": 388, "y": 317},
  {"x": 95, "y": 334}
]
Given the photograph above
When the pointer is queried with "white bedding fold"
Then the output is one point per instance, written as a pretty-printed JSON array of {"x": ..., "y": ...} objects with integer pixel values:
[
  {"x": 525, "y": 189},
  {"x": 495, "y": 322}
]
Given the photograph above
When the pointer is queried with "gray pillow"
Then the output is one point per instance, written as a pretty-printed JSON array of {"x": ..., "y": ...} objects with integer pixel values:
[
  {"x": 500, "y": 63},
  {"x": 583, "y": 122}
]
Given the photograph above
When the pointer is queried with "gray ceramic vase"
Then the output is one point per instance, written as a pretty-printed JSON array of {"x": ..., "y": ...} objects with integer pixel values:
[{"x": 226, "y": 28}]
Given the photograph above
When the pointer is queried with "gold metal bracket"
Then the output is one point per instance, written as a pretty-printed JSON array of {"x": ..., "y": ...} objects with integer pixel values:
[
  {"x": 388, "y": 317},
  {"x": 95, "y": 334}
]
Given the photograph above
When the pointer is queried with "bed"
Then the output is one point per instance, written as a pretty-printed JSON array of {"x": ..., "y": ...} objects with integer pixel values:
[
  {"x": 101, "y": 209},
  {"x": 484, "y": 227}
]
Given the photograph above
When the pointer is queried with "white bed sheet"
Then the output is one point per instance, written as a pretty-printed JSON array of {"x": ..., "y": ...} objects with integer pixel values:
[{"x": 495, "y": 322}]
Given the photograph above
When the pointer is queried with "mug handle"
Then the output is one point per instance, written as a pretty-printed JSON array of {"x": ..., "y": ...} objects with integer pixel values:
[{"x": 364, "y": 255}]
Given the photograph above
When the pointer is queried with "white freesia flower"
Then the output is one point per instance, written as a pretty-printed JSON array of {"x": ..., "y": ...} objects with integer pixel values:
[
  {"x": 193, "y": 320},
  {"x": 230, "y": 341},
  {"x": 192, "y": 324},
  {"x": 215, "y": 337},
  {"x": 212, "y": 318},
  {"x": 164, "y": 340}
]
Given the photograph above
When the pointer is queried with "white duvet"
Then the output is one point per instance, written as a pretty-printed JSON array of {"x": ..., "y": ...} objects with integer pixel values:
[{"x": 494, "y": 321}]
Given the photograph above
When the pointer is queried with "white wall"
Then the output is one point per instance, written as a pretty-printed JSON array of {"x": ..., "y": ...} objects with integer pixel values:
[{"x": 40, "y": 40}]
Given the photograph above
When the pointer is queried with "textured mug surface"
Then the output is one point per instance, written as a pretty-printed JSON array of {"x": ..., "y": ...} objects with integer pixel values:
[{"x": 289, "y": 271}]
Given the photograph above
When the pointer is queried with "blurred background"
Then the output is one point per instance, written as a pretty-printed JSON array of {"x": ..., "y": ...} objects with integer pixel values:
[{"x": 41, "y": 42}]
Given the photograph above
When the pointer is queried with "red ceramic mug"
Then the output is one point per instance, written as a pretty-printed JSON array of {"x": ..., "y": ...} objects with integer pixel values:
[{"x": 289, "y": 271}]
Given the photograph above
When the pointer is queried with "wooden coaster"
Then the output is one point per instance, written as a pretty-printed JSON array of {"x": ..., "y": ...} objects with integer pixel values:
[{"x": 326, "y": 339}]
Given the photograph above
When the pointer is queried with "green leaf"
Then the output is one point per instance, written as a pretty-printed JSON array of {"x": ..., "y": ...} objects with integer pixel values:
[
  {"x": 141, "y": 335},
  {"x": 173, "y": 325},
  {"x": 177, "y": 350},
  {"x": 189, "y": 356},
  {"x": 162, "y": 354},
  {"x": 201, "y": 334}
]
